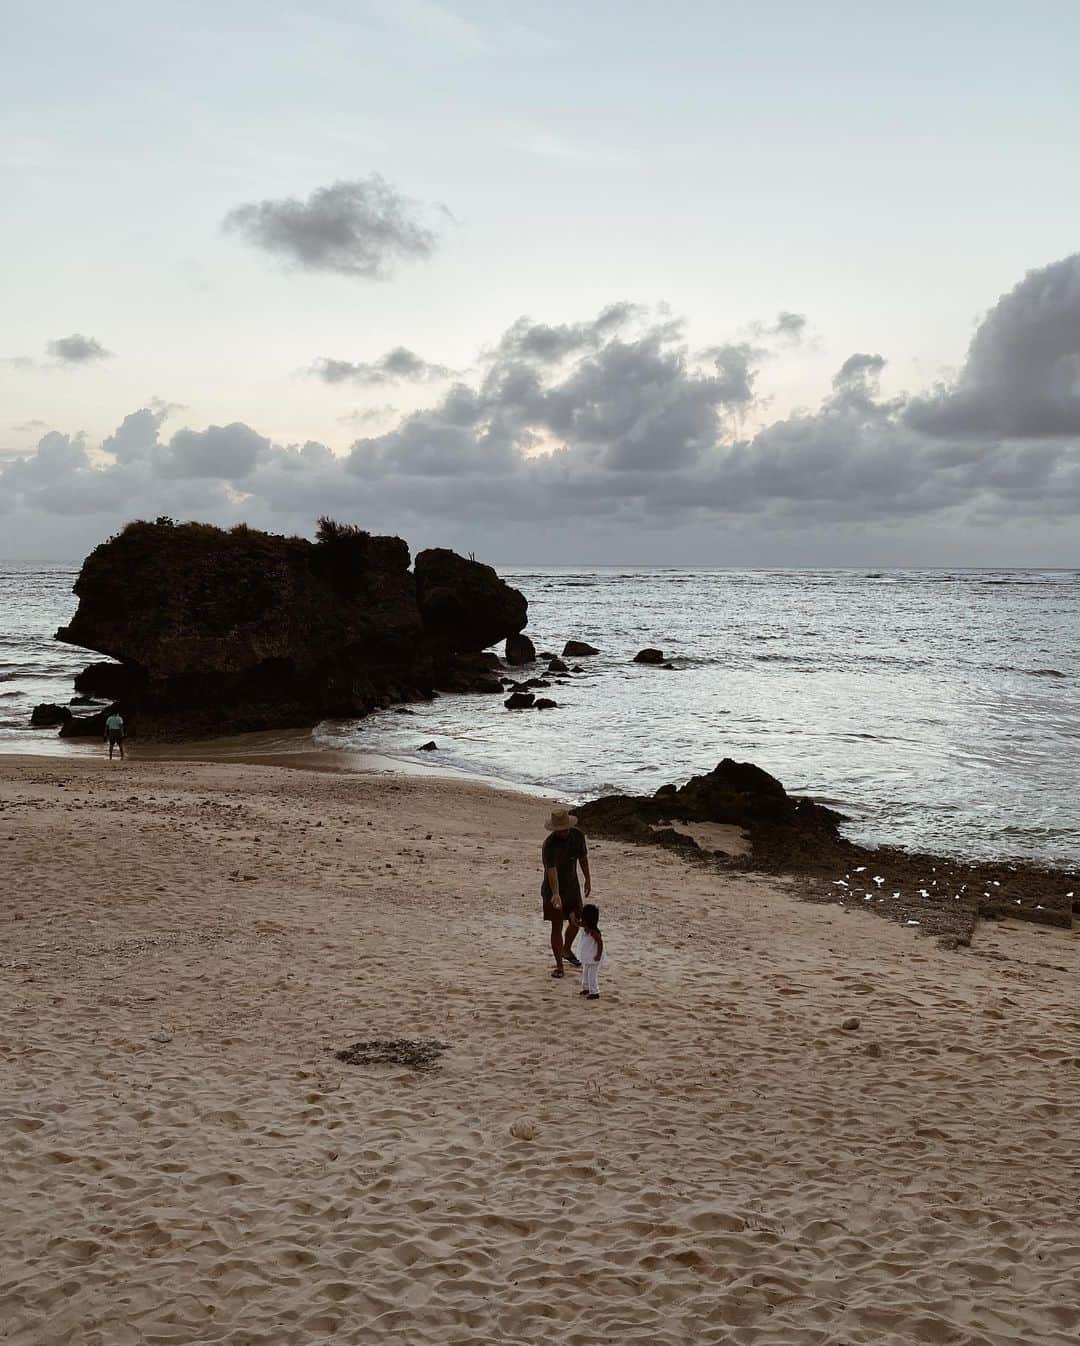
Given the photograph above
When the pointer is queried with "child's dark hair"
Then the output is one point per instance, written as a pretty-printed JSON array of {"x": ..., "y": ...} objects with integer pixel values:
[{"x": 590, "y": 921}]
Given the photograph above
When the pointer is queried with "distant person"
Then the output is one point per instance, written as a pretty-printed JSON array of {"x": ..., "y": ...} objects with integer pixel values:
[
  {"x": 114, "y": 733},
  {"x": 591, "y": 948},
  {"x": 562, "y": 853}
]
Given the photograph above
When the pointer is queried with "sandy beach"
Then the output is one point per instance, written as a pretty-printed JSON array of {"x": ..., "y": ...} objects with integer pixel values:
[{"x": 705, "y": 1155}]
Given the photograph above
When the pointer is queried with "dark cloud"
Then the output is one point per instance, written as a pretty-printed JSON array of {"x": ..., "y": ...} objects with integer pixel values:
[
  {"x": 77, "y": 349},
  {"x": 609, "y": 427},
  {"x": 361, "y": 228},
  {"x": 788, "y": 328},
  {"x": 137, "y": 436},
  {"x": 543, "y": 344},
  {"x": 1021, "y": 379},
  {"x": 220, "y": 452},
  {"x": 399, "y": 365}
]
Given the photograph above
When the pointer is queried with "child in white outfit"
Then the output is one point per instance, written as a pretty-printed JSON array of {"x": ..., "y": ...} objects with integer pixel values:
[{"x": 591, "y": 952}]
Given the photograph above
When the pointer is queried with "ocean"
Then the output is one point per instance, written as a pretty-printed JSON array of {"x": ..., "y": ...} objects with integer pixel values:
[{"x": 939, "y": 709}]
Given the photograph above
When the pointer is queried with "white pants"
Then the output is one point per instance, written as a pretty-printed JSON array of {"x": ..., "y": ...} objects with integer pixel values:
[{"x": 590, "y": 978}]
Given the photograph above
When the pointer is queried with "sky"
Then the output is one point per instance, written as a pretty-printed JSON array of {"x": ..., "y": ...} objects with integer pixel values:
[{"x": 694, "y": 283}]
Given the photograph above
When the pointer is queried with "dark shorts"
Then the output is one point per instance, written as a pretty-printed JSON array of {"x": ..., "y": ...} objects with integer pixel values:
[
  {"x": 571, "y": 906},
  {"x": 115, "y": 740}
]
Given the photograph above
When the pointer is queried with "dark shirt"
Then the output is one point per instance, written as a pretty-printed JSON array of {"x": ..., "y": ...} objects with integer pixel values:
[{"x": 562, "y": 851}]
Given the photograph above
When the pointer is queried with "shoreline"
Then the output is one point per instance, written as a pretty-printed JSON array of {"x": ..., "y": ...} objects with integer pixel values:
[
  {"x": 942, "y": 895},
  {"x": 775, "y": 1108}
]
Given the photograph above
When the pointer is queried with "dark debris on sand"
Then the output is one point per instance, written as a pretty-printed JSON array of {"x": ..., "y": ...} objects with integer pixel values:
[{"x": 417, "y": 1053}]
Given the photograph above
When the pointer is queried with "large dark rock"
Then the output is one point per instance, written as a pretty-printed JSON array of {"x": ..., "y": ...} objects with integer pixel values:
[
  {"x": 467, "y": 672},
  {"x": 519, "y": 650},
  {"x": 48, "y": 715},
  {"x": 464, "y": 606},
  {"x": 91, "y": 726},
  {"x": 221, "y": 631},
  {"x": 108, "y": 682},
  {"x": 737, "y": 793},
  {"x": 520, "y": 701},
  {"x": 649, "y": 656},
  {"x": 575, "y": 649}
]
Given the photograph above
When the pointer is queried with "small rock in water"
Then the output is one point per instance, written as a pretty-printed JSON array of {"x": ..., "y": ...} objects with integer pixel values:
[
  {"x": 649, "y": 656},
  {"x": 523, "y": 1129},
  {"x": 162, "y": 1035},
  {"x": 849, "y": 1025},
  {"x": 430, "y": 746},
  {"x": 873, "y": 1049}
]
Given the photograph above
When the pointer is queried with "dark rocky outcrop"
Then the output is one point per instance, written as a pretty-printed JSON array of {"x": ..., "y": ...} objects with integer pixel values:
[
  {"x": 575, "y": 649},
  {"x": 468, "y": 672},
  {"x": 92, "y": 726},
  {"x": 649, "y": 656},
  {"x": 736, "y": 793},
  {"x": 519, "y": 650},
  {"x": 464, "y": 606},
  {"x": 430, "y": 746},
  {"x": 220, "y": 631},
  {"x": 520, "y": 701},
  {"x": 47, "y": 715},
  {"x": 557, "y": 666},
  {"x": 939, "y": 895},
  {"x": 107, "y": 682},
  {"x": 545, "y": 703}
]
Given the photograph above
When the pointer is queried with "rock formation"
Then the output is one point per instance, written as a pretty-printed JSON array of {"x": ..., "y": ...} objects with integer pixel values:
[
  {"x": 464, "y": 605},
  {"x": 519, "y": 650},
  {"x": 737, "y": 793},
  {"x": 575, "y": 649},
  {"x": 649, "y": 656},
  {"x": 221, "y": 631},
  {"x": 48, "y": 716}
]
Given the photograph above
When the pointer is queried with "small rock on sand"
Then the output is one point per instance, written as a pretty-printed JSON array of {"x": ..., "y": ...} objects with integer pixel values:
[
  {"x": 849, "y": 1025},
  {"x": 524, "y": 1128}
]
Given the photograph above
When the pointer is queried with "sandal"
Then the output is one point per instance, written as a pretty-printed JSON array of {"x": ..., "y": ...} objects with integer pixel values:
[
  {"x": 569, "y": 958},
  {"x": 558, "y": 972}
]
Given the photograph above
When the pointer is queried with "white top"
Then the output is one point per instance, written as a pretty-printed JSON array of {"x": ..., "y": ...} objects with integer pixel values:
[{"x": 587, "y": 950}]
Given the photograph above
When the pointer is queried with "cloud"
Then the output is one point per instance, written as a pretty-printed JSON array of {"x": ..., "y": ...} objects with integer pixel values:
[
  {"x": 77, "y": 350},
  {"x": 399, "y": 365},
  {"x": 544, "y": 344},
  {"x": 29, "y": 427},
  {"x": 609, "y": 426},
  {"x": 360, "y": 228},
  {"x": 787, "y": 327},
  {"x": 220, "y": 452},
  {"x": 1021, "y": 379}
]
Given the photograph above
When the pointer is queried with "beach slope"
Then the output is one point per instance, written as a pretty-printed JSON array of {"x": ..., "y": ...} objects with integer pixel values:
[{"x": 707, "y": 1154}]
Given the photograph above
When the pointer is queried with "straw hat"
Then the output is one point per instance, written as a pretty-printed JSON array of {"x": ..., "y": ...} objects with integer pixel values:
[{"x": 560, "y": 820}]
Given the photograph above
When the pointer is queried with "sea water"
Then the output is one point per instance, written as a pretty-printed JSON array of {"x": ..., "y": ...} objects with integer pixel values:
[{"x": 939, "y": 709}]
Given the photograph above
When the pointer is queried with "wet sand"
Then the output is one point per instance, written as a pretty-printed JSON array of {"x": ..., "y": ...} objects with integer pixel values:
[{"x": 705, "y": 1155}]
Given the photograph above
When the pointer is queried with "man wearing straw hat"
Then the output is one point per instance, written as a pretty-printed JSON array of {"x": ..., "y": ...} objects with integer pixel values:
[{"x": 562, "y": 852}]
